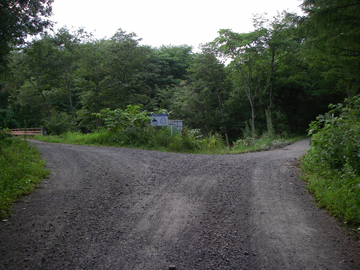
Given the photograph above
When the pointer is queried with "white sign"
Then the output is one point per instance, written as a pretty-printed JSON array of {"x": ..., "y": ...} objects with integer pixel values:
[
  {"x": 159, "y": 120},
  {"x": 175, "y": 126}
]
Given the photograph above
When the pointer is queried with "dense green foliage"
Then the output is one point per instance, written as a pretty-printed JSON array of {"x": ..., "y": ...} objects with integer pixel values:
[
  {"x": 131, "y": 128},
  {"x": 20, "y": 18},
  {"x": 333, "y": 162},
  {"x": 20, "y": 171},
  {"x": 120, "y": 120},
  {"x": 332, "y": 29},
  {"x": 62, "y": 80}
]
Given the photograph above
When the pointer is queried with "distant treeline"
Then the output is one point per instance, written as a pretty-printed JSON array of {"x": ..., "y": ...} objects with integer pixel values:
[{"x": 282, "y": 74}]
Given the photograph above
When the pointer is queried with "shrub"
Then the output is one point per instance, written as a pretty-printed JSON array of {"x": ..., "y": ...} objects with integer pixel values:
[
  {"x": 332, "y": 164},
  {"x": 59, "y": 123},
  {"x": 335, "y": 139},
  {"x": 132, "y": 117}
]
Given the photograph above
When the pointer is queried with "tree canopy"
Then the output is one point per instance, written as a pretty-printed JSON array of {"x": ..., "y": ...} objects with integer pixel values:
[
  {"x": 20, "y": 18},
  {"x": 278, "y": 77},
  {"x": 332, "y": 31}
]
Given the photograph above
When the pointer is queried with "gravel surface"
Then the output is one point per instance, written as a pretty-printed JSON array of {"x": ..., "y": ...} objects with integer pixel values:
[{"x": 117, "y": 208}]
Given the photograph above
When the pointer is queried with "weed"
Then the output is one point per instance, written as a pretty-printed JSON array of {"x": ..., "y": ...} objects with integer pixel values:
[
  {"x": 21, "y": 170},
  {"x": 332, "y": 164}
]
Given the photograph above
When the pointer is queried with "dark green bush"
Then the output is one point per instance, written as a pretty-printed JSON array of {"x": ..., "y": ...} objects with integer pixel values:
[
  {"x": 332, "y": 164},
  {"x": 59, "y": 123},
  {"x": 335, "y": 138},
  {"x": 132, "y": 117}
]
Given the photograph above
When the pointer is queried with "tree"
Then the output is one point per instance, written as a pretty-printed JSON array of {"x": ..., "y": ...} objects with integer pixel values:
[
  {"x": 210, "y": 73},
  {"x": 20, "y": 18},
  {"x": 50, "y": 64},
  {"x": 44, "y": 76},
  {"x": 29, "y": 81},
  {"x": 175, "y": 62},
  {"x": 92, "y": 73},
  {"x": 248, "y": 64},
  {"x": 66, "y": 64},
  {"x": 280, "y": 37},
  {"x": 332, "y": 29},
  {"x": 168, "y": 65},
  {"x": 125, "y": 61},
  {"x": 189, "y": 103},
  {"x": 165, "y": 68}
]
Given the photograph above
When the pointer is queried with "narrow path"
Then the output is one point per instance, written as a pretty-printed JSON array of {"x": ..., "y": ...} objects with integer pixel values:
[{"x": 116, "y": 208}]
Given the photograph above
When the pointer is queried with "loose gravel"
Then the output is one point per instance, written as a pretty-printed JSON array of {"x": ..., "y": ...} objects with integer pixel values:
[{"x": 117, "y": 208}]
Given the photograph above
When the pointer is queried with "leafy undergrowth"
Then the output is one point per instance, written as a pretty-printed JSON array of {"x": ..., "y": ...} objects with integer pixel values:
[
  {"x": 332, "y": 165},
  {"x": 21, "y": 170},
  {"x": 131, "y": 128},
  {"x": 161, "y": 139}
]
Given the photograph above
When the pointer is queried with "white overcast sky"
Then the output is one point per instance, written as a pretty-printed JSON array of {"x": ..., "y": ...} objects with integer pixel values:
[{"x": 166, "y": 22}]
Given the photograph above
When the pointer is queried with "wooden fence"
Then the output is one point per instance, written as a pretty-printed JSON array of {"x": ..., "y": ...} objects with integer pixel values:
[{"x": 27, "y": 131}]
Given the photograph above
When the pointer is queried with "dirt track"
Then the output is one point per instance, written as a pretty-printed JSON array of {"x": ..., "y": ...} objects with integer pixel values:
[{"x": 115, "y": 208}]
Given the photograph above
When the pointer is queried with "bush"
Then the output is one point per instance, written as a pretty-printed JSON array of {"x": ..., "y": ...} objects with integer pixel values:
[
  {"x": 8, "y": 119},
  {"x": 132, "y": 117},
  {"x": 59, "y": 123},
  {"x": 335, "y": 140},
  {"x": 333, "y": 162}
]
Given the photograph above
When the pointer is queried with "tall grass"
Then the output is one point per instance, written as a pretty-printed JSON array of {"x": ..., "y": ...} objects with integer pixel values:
[
  {"x": 251, "y": 141},
  {"x": 21, "y": 170},
  {"x": 160, "y": 138}
]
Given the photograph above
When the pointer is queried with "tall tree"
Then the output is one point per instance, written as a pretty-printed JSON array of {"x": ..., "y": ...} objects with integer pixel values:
[
  {"x": 332, "y": 30},
  {"x": 175, "y": 60},
  {"x": 20, "y": 18},
  {"x": 92, "y": 72},
  {"x": 47, "y": 70},
  {"x": 166, "y": 67},
  {"x": 189, "y": 103},
  {"x": 34, "y": 74},
  {"x": 125, "y": 61},
  {"x": 279, "y": 34},
  {"x": 66, "y": 63},
  {"x": 210, "y": 72},
  {"x": 247, "y": 54}
]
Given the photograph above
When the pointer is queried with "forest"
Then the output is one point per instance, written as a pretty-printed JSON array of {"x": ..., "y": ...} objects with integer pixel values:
[{"x": 283, "y": 74}]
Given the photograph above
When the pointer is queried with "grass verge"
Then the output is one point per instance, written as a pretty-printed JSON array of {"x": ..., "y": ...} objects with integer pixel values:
[
  {"x": 21, "y": 170},
  {"x": 160, "y": 139},
  {"x": 336, "y": 191}
]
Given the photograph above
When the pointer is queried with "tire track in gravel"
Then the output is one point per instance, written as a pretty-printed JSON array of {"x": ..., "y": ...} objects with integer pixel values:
[{"x": 117, "y": 208}]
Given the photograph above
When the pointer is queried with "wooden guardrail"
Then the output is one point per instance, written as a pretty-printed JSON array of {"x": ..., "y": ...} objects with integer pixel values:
[{"x": 26, "y": 131}]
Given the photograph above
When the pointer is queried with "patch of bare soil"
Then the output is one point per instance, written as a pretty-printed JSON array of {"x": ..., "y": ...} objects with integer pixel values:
[{"x": 116, "y": 208}]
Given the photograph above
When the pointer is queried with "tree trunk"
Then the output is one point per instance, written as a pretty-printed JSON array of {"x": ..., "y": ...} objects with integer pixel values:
[
  {"x": 222, "y": 115},
  {"x": 252, "y": 117},
  {"x": 71, "y": 106},
  {"x": 271, "y": 86}
]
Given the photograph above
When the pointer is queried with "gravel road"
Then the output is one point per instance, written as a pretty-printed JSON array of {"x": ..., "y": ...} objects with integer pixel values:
[{"x": 117, "y": 208}]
